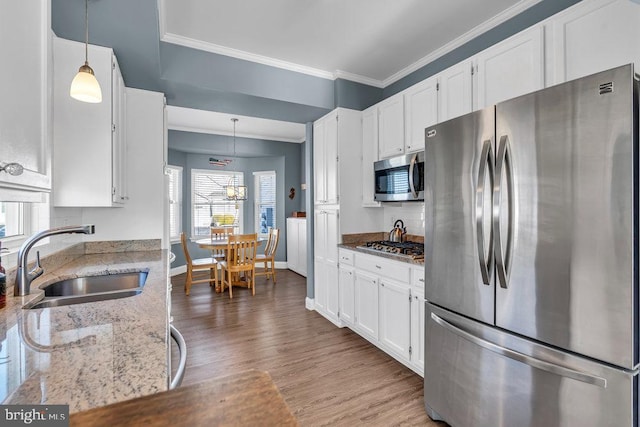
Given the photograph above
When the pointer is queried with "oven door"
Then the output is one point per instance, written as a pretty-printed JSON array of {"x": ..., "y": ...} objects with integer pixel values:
[{"x": 400, "y": 179}]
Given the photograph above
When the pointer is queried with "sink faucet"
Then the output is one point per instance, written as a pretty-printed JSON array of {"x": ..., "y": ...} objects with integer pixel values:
[{"x": 24, "y": 278}]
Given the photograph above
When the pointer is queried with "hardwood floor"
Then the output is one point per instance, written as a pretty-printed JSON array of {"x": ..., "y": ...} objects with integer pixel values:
[{"x": 327, "y": 375}]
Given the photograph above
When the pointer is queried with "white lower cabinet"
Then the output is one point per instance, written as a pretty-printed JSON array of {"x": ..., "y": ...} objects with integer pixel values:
[
  {"x": 347, "y": 288},
  {"x": 395, "y": 316},
  {"x": 326, "y": 298},
  {"x": 383, "y": 301},
  {"x": 366, "y": 302},
  {"x": 417, "y": 332},
  {"x": 297, "y": 245}
]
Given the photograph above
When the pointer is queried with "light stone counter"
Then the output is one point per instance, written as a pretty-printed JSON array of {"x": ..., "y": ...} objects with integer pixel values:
[{"x": 93, "y": 354}]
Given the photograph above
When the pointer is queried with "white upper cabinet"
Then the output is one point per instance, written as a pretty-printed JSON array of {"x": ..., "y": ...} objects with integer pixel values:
[
  {"x": 420, "y": 111},
  {"x": 369, "y": 154},
  {"x": 594, "y": 36},
  {"x": 325, "y": 155},
  {"x": 455, "y": 95},
  {"x": 391, "y": 126},
  {"x": 25, "y": 39},
  {"x": 511, "y": 68},
  {"x": 88, "y": 139}
]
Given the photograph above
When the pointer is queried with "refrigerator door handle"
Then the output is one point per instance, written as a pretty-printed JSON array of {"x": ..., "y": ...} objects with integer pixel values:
[
  {"x": 412, "y": 185},
  {"x": 520, "y": 357},
  {"x": 486, "y": 260},
  {"x": 503, "y": 255}
]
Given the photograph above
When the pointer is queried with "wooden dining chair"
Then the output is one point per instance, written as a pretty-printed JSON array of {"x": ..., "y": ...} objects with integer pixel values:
[
  {"x": 241, "y": 256},
  {"x": 219, "y": 233},
  {"x": 209, "y": 265},
  {"x": 269, "y": 255}
]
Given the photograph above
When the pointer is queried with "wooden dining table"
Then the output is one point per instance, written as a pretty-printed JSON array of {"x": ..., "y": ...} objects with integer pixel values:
[{"x": 221, "y": 244}]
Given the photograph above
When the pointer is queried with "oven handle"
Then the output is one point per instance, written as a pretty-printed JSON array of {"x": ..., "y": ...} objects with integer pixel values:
[{"x": 412, "y": 166}]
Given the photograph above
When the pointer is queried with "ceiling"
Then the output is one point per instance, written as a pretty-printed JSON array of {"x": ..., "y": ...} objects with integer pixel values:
[
  {"x": 286, "y": 61},
  {"x": 374, "y": 42},
  {"x": 371, "y": 41}
]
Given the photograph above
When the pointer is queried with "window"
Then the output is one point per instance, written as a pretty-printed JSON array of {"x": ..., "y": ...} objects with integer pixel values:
[
  {"x": 209, "y": 204},
  {"x": 175, "y": 202},
  {"x": 20, "y": 220},
  {"x": 265, "y": 200},
  {"x": 12, "y": 220}
]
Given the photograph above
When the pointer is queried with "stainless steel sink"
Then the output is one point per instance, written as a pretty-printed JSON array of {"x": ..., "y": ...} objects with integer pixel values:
[{"x": 90, "y": 289}]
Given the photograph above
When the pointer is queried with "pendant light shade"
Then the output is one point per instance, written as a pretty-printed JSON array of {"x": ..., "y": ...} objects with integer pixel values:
[{"x": 85, "y": 86}]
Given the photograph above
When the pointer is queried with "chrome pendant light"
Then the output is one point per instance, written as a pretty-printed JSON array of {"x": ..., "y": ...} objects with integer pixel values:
[
  {"x": 233, "y": 190},
  {"x": 85, "y": 86}
]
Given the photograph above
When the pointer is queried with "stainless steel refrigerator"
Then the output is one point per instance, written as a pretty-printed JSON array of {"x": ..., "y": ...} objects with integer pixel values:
[{"x": 531, "y": 259}]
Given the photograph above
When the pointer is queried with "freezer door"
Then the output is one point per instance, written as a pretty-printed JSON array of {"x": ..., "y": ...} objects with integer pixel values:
[
  {"x": 458, "y": 250},
  {"x": 477, "y": 376},
  {"x": 565, "y": 234}
]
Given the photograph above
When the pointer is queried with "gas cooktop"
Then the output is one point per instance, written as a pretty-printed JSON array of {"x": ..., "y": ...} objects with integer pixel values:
[{"x": 413, "y": 250}]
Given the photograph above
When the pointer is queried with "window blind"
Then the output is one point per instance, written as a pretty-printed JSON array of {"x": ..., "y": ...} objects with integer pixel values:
[
  {"x": 209, "y": 200},
  {"x": 265, "y": 183},
  {"x": 175, "y": 202}
]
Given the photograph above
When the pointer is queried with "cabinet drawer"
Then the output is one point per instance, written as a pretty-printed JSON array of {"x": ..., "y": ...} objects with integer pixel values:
[
  {"x": 384, "y": 267},
  {"x": 345, "y": 257}
]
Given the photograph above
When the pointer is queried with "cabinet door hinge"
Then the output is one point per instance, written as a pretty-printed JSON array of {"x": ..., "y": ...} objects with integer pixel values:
[
  {"x": 113, "y": 127},
  {"x": 410, "y": 350},
  {"x": 409, "y": 297},
  {"x": 113, "y": 191},
  {"x": 438, "y": 86},
  {"x": 474, "y": 68}
]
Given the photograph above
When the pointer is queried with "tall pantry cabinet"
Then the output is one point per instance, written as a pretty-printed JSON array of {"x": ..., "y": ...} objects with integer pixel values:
[{"x": 337, "y": 158}]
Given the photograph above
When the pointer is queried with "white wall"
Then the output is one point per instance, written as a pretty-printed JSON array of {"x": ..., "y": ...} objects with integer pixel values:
[
  {"x": 143, "y": 216},
  {"x": 411, "y": 213}
]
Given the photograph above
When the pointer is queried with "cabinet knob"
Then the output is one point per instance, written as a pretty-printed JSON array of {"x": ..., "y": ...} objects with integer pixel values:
[
  {"x": 421, "y": 280},
  {"x": 377, "y": 266}
]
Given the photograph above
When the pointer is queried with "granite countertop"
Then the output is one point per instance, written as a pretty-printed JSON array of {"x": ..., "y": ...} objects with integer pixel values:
[
  {"x": 93, "y": 354},
  {"x": 352, "y": 241}
]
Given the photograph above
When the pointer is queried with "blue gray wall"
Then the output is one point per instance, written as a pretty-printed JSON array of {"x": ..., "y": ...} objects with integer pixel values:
[{"x": 257, "y": 155}]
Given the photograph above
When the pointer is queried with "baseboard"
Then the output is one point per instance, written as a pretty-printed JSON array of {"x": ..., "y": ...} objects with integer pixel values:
[
  {"x": 309, "y": 304},
  {"x": 178, "y": 270},
  {"x": 281, "y": 265}
]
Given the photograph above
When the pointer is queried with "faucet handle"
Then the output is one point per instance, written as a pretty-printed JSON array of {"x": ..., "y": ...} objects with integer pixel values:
[{"x": 37, "y": 270}]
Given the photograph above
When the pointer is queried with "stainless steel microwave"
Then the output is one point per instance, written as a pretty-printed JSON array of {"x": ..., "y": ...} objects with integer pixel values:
[{"x": 400, "y": 179}]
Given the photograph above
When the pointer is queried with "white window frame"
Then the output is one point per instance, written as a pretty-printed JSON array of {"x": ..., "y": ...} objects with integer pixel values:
[
  {"x": 258, "y": 201},
  {"x": 34, "y": 217},
  {"x": 237, "y": 206},
  {"x": 175, "y": 201}
]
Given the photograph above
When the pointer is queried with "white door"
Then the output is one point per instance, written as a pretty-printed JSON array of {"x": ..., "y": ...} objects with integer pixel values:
[
  {"x": 366, "y": 286},
  {"x": 333, "y": 292},
  {"x": 319, "y": 162},
  {"x": 25, "y": 101},
  {"x": 455, "y": 94},
  {"x": 302, "y": 247},
  {"x": 391, "y": 126},
  {"x": 395, "y": 319},
  {"x": 511, "y": 68},
  {"x": 331, "y": 159},
  {"x": 347, "y": 295},
  {"x": 369, "y": 154},
  {"x": 293, "y": 262},
  {"x": 417, "y": 332},
  {"x": 420, "y": 111},
  {"x": 595, "y": 36}
]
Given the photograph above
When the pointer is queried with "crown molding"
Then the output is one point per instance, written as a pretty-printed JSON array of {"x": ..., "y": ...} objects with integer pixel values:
[
  {"x": 466, "y": 37},
  {"x": 290, "y": 66},
  {"x": 211, "y": 131},
  {"x": 339, "y": 74}
]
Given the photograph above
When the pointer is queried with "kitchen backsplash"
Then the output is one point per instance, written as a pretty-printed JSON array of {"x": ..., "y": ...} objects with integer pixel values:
[{"x": 411, "y": 213}]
